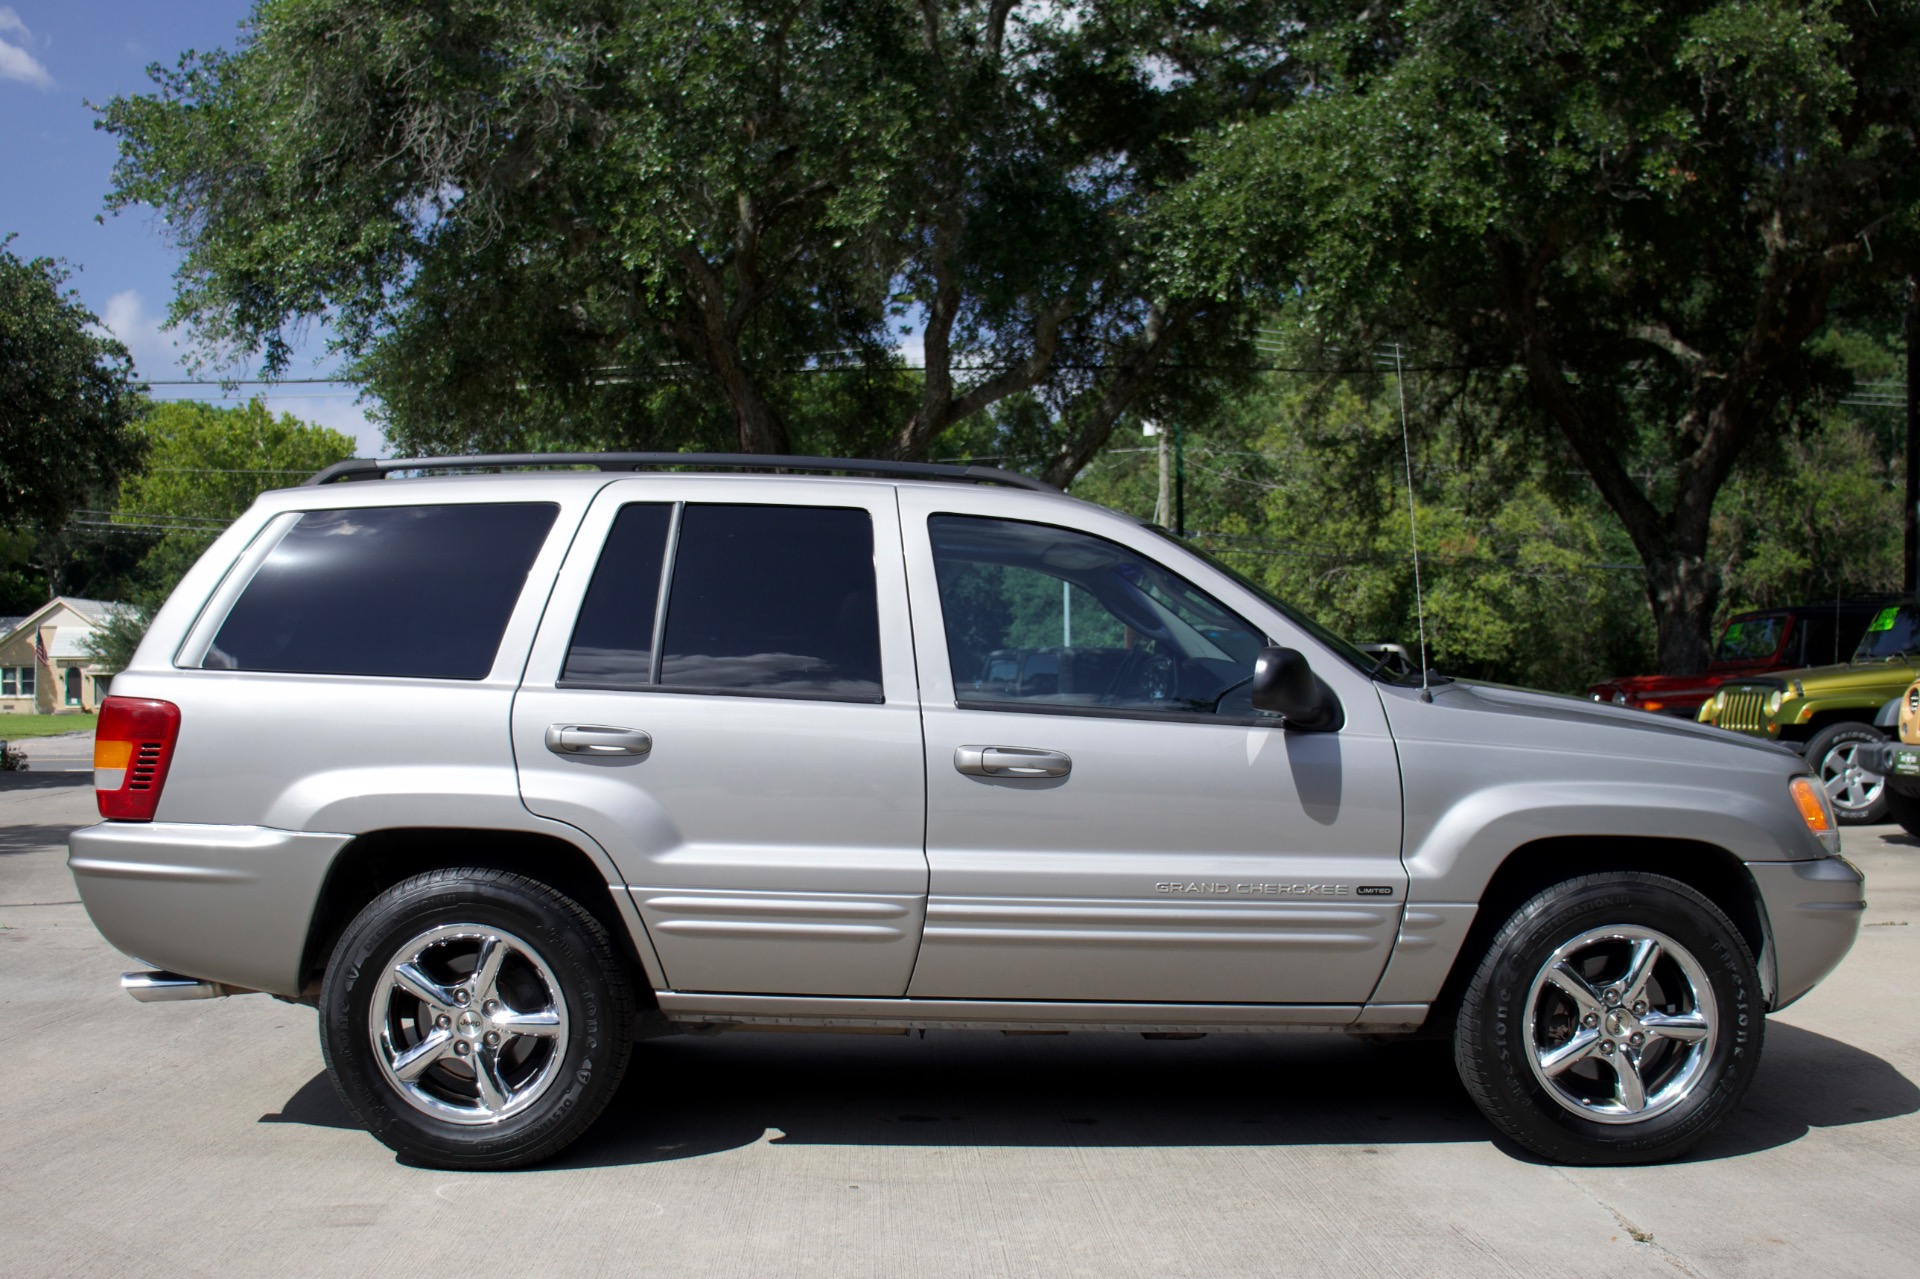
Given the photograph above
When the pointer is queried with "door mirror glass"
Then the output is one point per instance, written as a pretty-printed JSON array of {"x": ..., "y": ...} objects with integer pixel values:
[{"x": 1285, "y": 685}]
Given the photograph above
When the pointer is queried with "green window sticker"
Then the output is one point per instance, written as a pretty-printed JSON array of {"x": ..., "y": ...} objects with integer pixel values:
[{"x": 1883, "y": 620}]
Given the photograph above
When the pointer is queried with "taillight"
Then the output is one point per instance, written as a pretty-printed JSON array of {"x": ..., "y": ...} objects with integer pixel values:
[{"x": 131, "y": 750}]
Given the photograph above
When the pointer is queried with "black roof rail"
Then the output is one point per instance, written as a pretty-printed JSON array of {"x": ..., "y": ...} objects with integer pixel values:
[{"x": 360, "y": 468}]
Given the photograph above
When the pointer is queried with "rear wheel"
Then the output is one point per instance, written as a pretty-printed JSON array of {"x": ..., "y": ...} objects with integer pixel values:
[
  {"x": 1839, "y": 755},
  {"x": 475, "y": 1019},
  {"x": 1615, "y": 1019}
]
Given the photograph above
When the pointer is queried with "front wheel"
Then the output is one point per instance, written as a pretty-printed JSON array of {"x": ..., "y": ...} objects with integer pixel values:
[
  {"x": 1615, "y": 1019},
  {"x": 475, "y": 1019},
  {"x": 1840, "y": 755}
]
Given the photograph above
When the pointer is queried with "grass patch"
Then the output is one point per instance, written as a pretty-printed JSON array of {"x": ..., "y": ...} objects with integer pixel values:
[{"x": 17, "y": 727}]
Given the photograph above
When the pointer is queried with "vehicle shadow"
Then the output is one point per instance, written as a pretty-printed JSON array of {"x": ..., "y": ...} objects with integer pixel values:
[
  {"x": 34, "y": 839},
  {"x": 685, "y": 1097},
  {"x": 51, "y": 779}
]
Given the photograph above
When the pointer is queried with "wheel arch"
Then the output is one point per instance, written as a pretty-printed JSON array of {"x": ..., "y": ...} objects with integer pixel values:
[
  {"x": 374, "y": 862},
  {"x": 1712, "y": 871},
  {"x": 1827, "y": 717}
]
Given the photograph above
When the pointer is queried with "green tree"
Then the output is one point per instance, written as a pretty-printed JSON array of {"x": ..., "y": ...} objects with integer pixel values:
[
  {"x": 67, "y": 397},
  {"x": 675, "y": 224},
  {"x": 204, "y": 466},
  {"x": 1300, "y": 483},
  {"x": 1623, "y": 224}
]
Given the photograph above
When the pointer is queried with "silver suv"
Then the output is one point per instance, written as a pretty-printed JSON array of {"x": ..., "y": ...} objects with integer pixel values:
[{"x": 504, "y": 772}]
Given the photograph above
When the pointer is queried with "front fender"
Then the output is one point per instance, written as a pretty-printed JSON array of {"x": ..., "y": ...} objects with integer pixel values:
[{"x": 1468, "y": 841}]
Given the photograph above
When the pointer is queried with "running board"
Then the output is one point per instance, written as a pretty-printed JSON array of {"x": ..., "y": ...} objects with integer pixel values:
[{"x": 695, "y": 1008}]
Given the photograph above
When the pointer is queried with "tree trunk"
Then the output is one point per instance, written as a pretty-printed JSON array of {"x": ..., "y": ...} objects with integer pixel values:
[{"x": 1683, "y": 590}]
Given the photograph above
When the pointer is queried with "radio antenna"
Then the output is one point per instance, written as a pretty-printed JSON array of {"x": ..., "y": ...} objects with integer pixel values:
[{"x": 1413, "y": 523}]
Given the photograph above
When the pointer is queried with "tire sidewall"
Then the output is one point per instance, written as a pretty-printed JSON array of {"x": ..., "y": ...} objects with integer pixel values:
[
  {"x": 551, "y": 924},
  {"x": 1540, "y": 1122}
]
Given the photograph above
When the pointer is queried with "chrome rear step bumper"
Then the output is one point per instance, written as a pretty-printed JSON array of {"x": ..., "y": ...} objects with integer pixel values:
[{"x": 167, "y": 988}]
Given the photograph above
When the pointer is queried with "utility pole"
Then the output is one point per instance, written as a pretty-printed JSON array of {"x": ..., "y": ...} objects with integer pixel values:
[
  {"x": 1163, "y": 502},
  {"x": 1911, "y": 330},
  {"x": 1180, "y": 482}
]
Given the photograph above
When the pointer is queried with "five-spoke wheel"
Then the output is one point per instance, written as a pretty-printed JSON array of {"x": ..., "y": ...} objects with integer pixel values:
[
  {"x": 1845, "y": 756},
  {"x": 469, "y": 1024},
  {"x": 1620, "y": 1022},
  {"x": 1614, "y": 1018},
  {"x": 474, "y": 1018}
]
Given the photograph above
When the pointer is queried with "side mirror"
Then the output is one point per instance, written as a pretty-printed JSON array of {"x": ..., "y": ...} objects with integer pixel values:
[{"x": 1285, "y": 685}]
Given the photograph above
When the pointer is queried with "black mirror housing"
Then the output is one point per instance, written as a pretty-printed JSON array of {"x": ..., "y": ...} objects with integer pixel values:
[{"x": 1285, "y": 685}]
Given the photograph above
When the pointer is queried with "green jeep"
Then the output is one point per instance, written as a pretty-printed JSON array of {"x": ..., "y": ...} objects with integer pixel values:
[{"x": 1827, "y": 712}]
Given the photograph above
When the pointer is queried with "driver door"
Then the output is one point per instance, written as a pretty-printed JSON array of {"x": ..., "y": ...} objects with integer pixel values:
[{"x": 1107, "y": 817}]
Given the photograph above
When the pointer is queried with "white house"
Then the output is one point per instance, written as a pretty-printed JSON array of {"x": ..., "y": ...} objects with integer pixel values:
[{"x": 44, "y": 665}]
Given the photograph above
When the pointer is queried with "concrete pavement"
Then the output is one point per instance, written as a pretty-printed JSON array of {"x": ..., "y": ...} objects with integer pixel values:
[{"x": 204, "y": 1139}]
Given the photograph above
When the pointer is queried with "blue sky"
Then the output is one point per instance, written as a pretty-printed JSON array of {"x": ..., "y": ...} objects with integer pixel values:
[{"x": 55, "y": 57}]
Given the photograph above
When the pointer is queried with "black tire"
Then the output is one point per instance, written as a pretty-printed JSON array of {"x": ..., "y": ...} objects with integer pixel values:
[
  {"x": 1859, "y": 794},
  {"x": 1904, "y": 809},
  {"x": 1577, "y": 1116},
  {"x": 522, "y": 1059}
]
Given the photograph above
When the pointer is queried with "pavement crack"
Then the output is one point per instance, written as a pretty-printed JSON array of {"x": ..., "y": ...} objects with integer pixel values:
[{"x": 1642, "y": 1237}]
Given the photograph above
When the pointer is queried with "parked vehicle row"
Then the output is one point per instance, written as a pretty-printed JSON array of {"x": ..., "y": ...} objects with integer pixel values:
[{"x": 503, "y": 773}]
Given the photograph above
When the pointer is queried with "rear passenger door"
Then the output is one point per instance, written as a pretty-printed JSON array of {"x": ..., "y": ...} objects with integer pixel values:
[{"x": 722, "y": 695}]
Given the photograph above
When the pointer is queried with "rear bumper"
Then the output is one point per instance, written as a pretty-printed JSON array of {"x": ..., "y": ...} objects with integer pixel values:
[
  {"x": 1813, "y": 913},
  {"x": 229, "y": 905}
]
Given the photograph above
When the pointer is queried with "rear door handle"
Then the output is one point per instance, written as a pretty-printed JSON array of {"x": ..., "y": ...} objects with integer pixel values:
[
  {"x": 1011, "y": 761},
  {"x": 597, "y": 739}
]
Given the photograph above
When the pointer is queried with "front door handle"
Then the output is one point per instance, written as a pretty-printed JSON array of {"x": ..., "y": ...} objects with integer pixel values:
[
  {"x": 1011, "y": 761},
  {"x": 597, "y": 739}
]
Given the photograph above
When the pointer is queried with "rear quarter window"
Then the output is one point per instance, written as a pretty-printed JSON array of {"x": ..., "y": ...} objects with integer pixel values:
[{"x": 421, "y": 591}]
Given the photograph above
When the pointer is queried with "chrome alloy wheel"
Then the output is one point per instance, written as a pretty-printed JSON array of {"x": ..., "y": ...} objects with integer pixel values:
[
  {"x": 1851, "y": 786},
  {"x": 468, "y": 1024},
  {"x": 1621, "y": 1024}
]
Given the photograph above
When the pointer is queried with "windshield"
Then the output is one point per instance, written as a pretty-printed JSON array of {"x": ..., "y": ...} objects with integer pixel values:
[
  {"x": 1893, "y": 632},
  {"x": 1749, "y": 639},
  {"x": 1375, "y": 667}
]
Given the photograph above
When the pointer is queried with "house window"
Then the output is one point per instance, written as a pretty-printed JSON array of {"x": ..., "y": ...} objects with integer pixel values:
[
  {"x": 73, "y": 685},
  {"x": 16, "y": 681}
]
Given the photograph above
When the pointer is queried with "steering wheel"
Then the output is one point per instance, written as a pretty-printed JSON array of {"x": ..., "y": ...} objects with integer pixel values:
[{"x": 1146, "y": 676}]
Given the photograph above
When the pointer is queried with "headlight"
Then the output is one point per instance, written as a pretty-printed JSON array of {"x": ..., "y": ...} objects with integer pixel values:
[
  {"x": 1816, "y": 811},
  {"x": 1720, "y": 700},
  {"x": 1620, "y": 699},
  {"x": 1776, "y": 701}
]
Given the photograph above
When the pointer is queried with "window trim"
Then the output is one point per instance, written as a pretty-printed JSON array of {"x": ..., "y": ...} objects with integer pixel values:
[
  {"x": 854, "y": 699},
  {"x": 1259, "y": 719}
]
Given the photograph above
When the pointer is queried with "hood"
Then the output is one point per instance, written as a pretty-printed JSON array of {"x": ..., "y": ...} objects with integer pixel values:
[
  {"x": 1848, "y": 677},
  {"x": 1469, "y": 711}
]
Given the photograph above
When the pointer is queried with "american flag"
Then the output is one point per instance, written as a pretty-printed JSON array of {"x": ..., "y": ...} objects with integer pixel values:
[{"x": 40, "y": 649}]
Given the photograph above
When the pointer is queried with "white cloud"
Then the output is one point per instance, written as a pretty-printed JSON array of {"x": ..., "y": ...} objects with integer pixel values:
[
  {"x": 15, "y": 62},
  {"x": 155, "y": 354}
]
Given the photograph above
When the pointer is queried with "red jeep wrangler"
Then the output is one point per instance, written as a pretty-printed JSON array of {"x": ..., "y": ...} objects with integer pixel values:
[{"x": 1773, "y": 639}]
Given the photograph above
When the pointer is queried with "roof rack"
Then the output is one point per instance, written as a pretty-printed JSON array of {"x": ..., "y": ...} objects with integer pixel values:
[{"x": 360, "y": 468}]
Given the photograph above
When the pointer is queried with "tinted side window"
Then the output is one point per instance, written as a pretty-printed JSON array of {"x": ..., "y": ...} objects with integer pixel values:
[
  {"x": 391, "y": 590},
  {"x": 776, "y": 600},
  {"x": 1041, "y": 617},
  {"x": 613, "y": 640}
]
